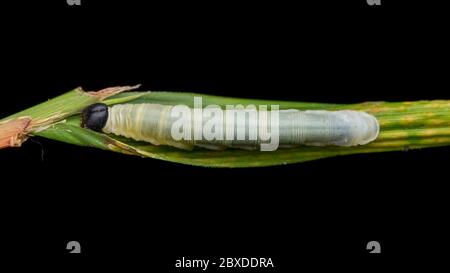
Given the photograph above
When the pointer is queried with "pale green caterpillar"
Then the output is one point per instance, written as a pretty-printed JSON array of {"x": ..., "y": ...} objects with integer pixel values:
[{"x": 160, "y": 125}]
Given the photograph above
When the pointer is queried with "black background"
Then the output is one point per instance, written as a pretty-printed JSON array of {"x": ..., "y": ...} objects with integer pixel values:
[{"x": 130, "y": 211}]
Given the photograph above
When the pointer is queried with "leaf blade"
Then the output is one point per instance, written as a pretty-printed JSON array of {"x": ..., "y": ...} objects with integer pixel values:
[{"x": 411, "y": 118}]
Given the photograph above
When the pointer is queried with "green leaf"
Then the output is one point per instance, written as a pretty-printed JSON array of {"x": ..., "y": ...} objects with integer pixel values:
[{"x": 408, "y": 125}]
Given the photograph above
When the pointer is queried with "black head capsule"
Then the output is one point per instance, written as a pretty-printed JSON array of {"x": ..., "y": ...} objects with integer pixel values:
[{"x": 94, "y": 116}]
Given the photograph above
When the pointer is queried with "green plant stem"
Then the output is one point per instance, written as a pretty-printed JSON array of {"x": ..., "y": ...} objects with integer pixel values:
[{"x": 404, "y": 126}]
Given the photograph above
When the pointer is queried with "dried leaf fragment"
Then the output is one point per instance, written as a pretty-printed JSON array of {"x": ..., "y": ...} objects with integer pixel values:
[{"x": 14, "y": 132}]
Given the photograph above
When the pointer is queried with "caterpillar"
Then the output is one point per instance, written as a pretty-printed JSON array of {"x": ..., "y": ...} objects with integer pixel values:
[{"x": 155, "y": 123}]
